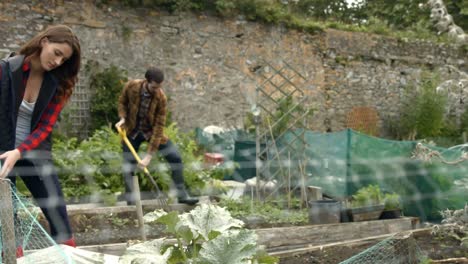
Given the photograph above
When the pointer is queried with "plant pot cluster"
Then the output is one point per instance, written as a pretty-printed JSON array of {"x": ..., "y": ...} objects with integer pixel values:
[{"x": 367, "y": 204}]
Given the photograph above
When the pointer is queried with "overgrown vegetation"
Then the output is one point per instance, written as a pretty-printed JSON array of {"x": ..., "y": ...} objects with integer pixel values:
[
  {"x": 93, "y": 166},
  {"x": 106, "y": 86},
  {"x": 269, "y": 211},
  {"x": 400, "y": 18},
  {"x": 422, "y": 115},
  {"x": 425, "y": 117},
  {"x": 454, "y": 225}
]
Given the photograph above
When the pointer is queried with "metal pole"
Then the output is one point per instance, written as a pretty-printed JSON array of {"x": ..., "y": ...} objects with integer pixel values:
[
  {"x": 7, "y": 223},
  {"x": 257, "y": 163}
]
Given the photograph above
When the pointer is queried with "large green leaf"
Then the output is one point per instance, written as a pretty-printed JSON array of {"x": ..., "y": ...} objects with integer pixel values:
[
  {"x": 146, "y": 253},
  {"x": 207, "y": 218},
  {"x": 233, "y": 246},
  {"x": 160, "y": 216},
  {"x": 154, "y": 216}
]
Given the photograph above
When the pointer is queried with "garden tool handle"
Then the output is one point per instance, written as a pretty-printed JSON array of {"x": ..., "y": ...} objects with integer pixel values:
[{"x": 123, "y": 134}]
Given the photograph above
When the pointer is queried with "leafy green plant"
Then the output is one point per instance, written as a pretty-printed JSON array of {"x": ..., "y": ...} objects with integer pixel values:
[
  {"x": 89, "y": 166},
  {"x": 270, "y": 211},
  {"x": 196, "y": 174},
  {"x": 207, "y": 234},
  {"x": 107, "y": 86},
  {"x": 367, "y": 196},
  {"x": 423, "y": 109},
  {"x": 392, "y": 201}
]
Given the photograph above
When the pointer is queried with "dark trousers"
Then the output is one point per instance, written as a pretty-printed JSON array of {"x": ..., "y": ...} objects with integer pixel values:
[
  {"x": 168, "y": 151},
  {"x": 42, "y": 181}
]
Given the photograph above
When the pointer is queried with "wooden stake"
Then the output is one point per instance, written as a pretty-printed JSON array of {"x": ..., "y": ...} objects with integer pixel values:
[
  {"x": 139, "y": 208},
  {"x": 289, "y": 180},
  {"x": 7, "y": 223}
]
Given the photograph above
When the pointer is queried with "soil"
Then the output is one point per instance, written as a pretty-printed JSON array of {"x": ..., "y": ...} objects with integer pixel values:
[
  {"x": 88, "y": 227},
  {"x": 435, "y": 248}
]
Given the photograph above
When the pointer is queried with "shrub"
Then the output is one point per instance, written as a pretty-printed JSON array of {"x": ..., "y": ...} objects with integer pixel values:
[
  {"x": 423, "y": 110},
  {"x": 106, "y": 86},
  {"x": 89, "y": 166}
]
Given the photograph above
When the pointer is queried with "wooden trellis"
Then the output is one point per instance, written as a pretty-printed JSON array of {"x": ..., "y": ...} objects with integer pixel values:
[
  {"x": 79, "y": 108},
  {"x": 279, "y": 105}
]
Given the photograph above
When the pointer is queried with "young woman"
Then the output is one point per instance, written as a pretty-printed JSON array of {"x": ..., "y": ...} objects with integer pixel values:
[{"x": 34, "y": 87}]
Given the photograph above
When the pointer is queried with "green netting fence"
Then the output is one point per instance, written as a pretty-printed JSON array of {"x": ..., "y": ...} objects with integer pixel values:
[
  {"x": 21, "y": 233},
  {"x": 342, "y": 162},
  {"x": 397, "y": 249}
]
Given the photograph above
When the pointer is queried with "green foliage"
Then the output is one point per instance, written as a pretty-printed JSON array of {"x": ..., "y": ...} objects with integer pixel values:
[
  {"x": 399, "y": 18},
  {"x": 89, "y": 166},
  {"x": 269, "y": 211},
  {"x": 422, "y": 113},
  {"x": 459, "y": 11},
  {"x": 398, "y": 14},
  {"x": 367, "y": 196},
  {"x": 107, "y": 86},
  {"x": 171, "y": 5},
  {"x": 195, "y": 174},
  {"x": 392, "y": 201},
  {"x": 207, "y": 234},
  {"x": 283, "y": 119},
  {"x": 126, "y": 32},
  {"x": 233, "y": 246},
  {"x": 284, "y": 115},
  {"x": 95, "y": 164}
]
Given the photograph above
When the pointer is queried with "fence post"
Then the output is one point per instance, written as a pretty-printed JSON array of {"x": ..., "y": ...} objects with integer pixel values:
[
  {"x": 139, "y": 208},
  {"x": 7, "y": 223}
]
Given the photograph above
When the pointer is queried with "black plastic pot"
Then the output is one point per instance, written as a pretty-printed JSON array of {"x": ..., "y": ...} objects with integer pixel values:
[
  {"x": 391, "y": 214},
  {"x": 324, "y": 212}
]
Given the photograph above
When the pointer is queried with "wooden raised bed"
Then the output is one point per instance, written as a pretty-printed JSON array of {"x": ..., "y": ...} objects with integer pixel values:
[{"x": 442, "y": 250}]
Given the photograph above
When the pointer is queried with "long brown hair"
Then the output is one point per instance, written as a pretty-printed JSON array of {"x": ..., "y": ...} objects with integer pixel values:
[{"x": 67, "y": 73}]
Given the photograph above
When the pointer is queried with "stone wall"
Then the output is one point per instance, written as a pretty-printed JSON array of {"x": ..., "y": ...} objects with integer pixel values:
[{"x": 210, "y": 63}]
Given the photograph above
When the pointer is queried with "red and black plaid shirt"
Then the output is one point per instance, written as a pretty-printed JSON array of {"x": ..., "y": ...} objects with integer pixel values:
[{"x": 47, "y": 120}]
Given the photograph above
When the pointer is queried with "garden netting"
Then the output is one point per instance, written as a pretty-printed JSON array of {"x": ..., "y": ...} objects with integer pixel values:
[
  {"x": 342, "y": 162},
  {"x": 25, "y": 232}
]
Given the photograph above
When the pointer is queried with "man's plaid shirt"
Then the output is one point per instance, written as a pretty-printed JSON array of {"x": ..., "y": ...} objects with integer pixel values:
[{"x": 143, "y": 124}]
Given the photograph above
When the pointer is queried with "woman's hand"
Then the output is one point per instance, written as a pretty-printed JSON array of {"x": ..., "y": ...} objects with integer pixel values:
[{"x": 9, "y": 160}]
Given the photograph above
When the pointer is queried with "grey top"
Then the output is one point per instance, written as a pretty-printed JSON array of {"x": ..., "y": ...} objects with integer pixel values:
[{"x": 23, "y": 124}]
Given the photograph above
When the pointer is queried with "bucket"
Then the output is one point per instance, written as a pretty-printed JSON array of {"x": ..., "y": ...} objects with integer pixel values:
[{"x": 324, "y": 212}]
